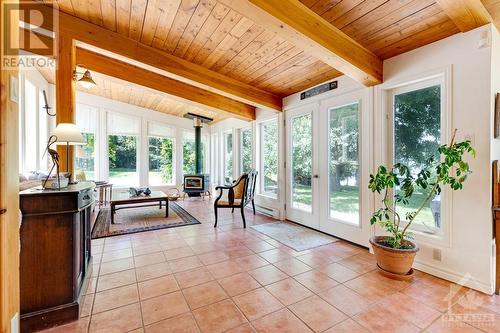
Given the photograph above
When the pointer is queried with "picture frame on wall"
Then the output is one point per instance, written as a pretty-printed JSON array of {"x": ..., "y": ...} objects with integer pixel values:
[{"x": 497, "y": 116}]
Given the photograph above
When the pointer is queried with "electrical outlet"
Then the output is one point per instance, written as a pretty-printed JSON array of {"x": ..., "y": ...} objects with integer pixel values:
[{"x": 436, "y": 254}]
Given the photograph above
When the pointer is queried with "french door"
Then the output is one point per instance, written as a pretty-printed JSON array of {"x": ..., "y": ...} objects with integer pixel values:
[
  {"x": 301, "y": 167},
  {"x": 327, "y": 168}
]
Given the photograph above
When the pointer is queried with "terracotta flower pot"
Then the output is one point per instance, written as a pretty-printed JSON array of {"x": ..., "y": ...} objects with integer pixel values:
[{"x": 397, "y": 261}]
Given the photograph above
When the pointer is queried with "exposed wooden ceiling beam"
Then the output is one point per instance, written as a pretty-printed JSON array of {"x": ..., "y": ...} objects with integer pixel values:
[
  {"x": 189, "y": 94},
  {"x": 177, "y": 68},
  {"x": 127, "y": 72},
  {"x": 295, "y": 22},
  {"x": 466, "y": 14}
]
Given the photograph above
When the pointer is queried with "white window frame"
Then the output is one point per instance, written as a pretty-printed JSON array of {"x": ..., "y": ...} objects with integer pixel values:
[
  {"x": 260, "y": 143},
  {"x": 441, "y": 235}
]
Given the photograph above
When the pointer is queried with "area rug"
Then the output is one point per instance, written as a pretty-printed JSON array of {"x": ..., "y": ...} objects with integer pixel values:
[
  {"x": 295, "y": 236},
  {"x": 133, "y": 220}
]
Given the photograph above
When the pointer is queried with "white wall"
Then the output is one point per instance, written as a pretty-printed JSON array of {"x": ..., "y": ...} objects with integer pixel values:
[{"x": 467, "y": 64}]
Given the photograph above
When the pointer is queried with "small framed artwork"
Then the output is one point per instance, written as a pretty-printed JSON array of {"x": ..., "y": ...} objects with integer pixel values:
[
  {"x": 14, "y": 89},
  {"x": 497, "y": 116}
]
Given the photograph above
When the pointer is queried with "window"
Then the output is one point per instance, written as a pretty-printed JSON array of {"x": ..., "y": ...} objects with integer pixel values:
[
  {"x": 85, "y": 155},
  {"x": 161, "y": 154},
  {"x": 246, "y": 150},
  {"x": 417, "y": 114},
  {"x": 30, "y": 126},
  {"x": 122, "y": 149},
  {"x": 214, "y": 157},
  {"x": 33, "y": 125},
  {"x": 269, "y": 158},
  {"x": 228, "y": 157},
  {"x": 344, "y": 163},
  {"x": 43, "y": 132},
  {"x": 301, "y": 139},
  {"x": 189, "y": 153}
]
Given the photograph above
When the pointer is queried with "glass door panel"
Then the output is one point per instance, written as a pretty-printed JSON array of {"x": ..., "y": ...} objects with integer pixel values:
[
  {"x": 301, "y": 166},
  {"x": 301, "y": 163},
  {"x": 344, "y": 163}
]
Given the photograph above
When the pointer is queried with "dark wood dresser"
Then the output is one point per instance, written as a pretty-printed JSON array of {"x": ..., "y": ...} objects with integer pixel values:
[{"x": 56, "y": 261}]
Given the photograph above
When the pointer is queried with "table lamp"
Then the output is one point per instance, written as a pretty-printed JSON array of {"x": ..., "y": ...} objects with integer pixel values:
[{"x": 68, "y": 134}]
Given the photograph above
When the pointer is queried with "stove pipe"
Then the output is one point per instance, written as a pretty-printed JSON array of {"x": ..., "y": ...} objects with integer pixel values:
[{"x": 197, "y": 145}]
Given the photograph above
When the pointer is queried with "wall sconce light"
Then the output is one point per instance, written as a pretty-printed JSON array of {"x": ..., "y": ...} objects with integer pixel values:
[{"x": 86, "y": 80}]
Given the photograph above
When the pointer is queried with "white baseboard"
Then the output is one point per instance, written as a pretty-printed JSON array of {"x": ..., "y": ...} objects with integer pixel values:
[
  {"x": 462, "y": 279},
  {"x": 272, "y": 212}
]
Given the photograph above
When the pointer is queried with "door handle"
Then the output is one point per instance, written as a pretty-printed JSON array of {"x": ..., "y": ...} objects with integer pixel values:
[
  {"x": 3, "y": 211},
  {"x": 316, "y": 176}
]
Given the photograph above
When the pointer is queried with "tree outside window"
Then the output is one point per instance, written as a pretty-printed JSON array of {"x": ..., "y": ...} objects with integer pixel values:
[
  {"x": 122, "y": 152},
  {"x": 417, "y": 137},
  {"x": 269, "y": 157},
  {"x": 161, "y": 160},
  {"x": 246, "y": 150},
  {"x": 344, "y": 165},
  {"x": 228, "y": 157}
]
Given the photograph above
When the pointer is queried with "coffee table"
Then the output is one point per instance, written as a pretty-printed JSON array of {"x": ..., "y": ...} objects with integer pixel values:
[{"x": 123, "y": 200}]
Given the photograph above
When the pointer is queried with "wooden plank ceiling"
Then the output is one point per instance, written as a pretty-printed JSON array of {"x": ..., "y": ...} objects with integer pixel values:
[
  {"x": 493, "y": 7},
  {"x": 210, "y": 34},
  {"x": 126, "y": 92}
]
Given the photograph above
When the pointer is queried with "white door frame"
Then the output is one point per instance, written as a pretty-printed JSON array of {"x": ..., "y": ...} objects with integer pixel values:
[
  {"x": 360, "y": 233},
  {"x": 319, "y": 218}
]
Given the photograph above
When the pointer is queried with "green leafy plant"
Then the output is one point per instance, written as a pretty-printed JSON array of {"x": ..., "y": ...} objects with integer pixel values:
[{"x": 450, "y": 170}]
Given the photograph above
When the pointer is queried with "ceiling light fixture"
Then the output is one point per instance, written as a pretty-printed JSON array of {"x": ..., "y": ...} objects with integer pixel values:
[{"x": 86, "y": 80}]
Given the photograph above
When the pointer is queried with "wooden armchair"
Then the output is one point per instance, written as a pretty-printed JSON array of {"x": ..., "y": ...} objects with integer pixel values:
[{"x": 239, "y": 195}]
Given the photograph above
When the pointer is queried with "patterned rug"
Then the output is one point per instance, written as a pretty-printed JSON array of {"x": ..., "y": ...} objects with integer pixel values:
[
  {"x": 295, "y": 236},
  {"x": 129, "y": 221}
]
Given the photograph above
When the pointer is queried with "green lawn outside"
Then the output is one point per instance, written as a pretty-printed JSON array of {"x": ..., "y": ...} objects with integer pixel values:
[
  {"x": 124, "y": 177},
  {"x": 346, "y": 201}
]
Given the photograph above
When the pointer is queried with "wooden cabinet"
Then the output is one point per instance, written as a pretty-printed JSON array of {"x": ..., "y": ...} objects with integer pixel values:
[{"x": 55, "y": 263}]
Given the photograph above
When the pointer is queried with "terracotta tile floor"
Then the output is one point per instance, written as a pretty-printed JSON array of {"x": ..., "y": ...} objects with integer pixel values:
[{"x": 201, "y": 279}]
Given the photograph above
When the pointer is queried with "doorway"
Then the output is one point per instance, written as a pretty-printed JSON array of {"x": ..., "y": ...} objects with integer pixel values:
[{"x": 327, "y": 166}]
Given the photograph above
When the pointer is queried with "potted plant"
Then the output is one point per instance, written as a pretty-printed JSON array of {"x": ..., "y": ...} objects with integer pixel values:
[{"x": 395, "y": 252}]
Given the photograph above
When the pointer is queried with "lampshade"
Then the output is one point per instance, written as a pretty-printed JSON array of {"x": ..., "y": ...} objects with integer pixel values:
[
  {"x": 86, "y": 80},
  {"x": 68, "y": 134}
]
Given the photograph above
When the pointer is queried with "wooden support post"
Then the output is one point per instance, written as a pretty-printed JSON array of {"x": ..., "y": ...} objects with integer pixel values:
[
  {"x": 65, "y": 92},
  {"x": 9, "y": 181}
]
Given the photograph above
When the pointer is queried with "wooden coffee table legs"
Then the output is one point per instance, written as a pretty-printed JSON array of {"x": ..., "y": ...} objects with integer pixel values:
[{"x": 113, "y": 207}]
